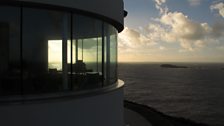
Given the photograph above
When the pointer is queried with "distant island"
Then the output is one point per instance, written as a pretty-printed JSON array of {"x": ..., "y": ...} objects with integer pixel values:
[{"x": 172, "y": 66}]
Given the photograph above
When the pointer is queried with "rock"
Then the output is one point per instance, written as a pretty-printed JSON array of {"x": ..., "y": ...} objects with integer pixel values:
[{"x": 172, "y": 66}]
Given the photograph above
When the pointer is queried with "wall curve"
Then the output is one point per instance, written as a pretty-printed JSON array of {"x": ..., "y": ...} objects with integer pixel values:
[
  {"x": 100, "y": 110},
  {"x": 112, "y": 9}
]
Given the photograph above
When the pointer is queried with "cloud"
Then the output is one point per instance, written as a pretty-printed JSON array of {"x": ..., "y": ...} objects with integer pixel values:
[
  {"x": 218, "y": 29},
  {"x": 132, "y": 39},
  {"x": 220, "y": 47},
  {"x": 219, "y": 7},
  {"x": 182, "y": 27},
  {"x": 200, "y": 43},
  {"x": 162, "y": 48},
  {"x": 194, "y": 2},
  {"x": 171, "y": 28},
  {"x": 178, "y": 27},
  {"x": 175, "y": 27},
  {"x": 155, "y": 32},
  {"x": 192, "y": 45},
  {"x": 159, "y": 4},
  {"x": 187, "y": 45}
]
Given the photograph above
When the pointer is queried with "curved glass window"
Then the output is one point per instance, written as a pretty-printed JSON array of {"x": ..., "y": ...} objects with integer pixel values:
[
  {"x": 110, "y": 46},
  {"x": 44, "y": 68},
  {"x": 113, "y": 54},
  {"x": 10, "y": 72},
  {"x": 87, "y": 51},
  {"x": 44, "y": 51}
]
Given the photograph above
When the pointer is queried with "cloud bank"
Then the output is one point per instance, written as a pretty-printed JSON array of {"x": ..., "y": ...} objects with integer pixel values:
[
  {"x": 173, "y": 28},
  {"x": 160, "y": 5},
  {"x": 179, "y": 28},
  {"x": 219, "y": 7}
]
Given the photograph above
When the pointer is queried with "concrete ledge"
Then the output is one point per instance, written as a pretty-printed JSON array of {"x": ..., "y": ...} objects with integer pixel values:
[
  {"x": 105, "y": 109},
  {"x": 59, "y": 96}
]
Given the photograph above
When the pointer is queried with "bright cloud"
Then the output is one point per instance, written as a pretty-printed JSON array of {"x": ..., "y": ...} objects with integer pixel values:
[
  {"x": 131, "y": 39},
  {"x": 175, "y": 29},
  {"x": 183, "y": 27},
  {"x": 219, "y": 7},
  {"x": 179, "y": 28},
  {"x": 172, "y": 27},
  {"x": 195, "y": 2},
  {"x": 162, "y": 48},
  {"x": 159, "y": 4}
]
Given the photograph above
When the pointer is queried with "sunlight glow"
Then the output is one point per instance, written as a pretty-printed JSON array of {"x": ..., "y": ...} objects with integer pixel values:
[
  {"x": 55, "y": 54},
  {"x": 54, "y": 51}
]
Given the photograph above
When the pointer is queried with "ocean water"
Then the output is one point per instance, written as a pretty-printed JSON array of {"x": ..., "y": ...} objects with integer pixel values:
[{"x": 196, "y": 93}]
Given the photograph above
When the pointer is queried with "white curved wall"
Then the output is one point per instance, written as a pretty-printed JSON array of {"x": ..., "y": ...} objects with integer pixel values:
[
  {"x": 112, "y": 9},
  {"x": 100, "y": 110}
]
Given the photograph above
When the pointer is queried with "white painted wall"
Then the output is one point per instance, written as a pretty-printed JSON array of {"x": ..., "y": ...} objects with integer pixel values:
[{"x": 99, "y": 110}]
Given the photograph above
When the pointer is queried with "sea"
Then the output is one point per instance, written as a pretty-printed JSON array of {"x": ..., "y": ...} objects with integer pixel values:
[{"x": 195, "y": 93}]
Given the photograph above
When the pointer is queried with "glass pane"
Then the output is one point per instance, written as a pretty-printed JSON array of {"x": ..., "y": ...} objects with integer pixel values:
[
  {"x": 10, "y": 72},
  {"x": 80, "y": 49},
  {"x": 110, "y": 46},
  {"x": 45, "y": 35},
  {"x": 113, "y": 55},
  {"x": 106, "y": 54},
  {"x": 90, "y": 54},
  {"x": 55, "y": 55},
  {"x": 99, "y": 53},
  {"x": 87, "y": 52}
]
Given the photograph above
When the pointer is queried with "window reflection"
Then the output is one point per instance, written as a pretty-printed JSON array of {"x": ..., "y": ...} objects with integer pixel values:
[
  {"x": 42, "y": 54},
  {"x": 43, "y": 59},
  {"x": 87, "y": 32},
  {"x": 110, "y": 46},
  {"x": 113, "y": 54},
  {"x": 54, "y": 55},
  {"x": 10, "y": 51}
]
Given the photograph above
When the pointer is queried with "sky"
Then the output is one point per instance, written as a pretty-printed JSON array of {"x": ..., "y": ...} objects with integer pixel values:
[{"x": 172, "y": 31}]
